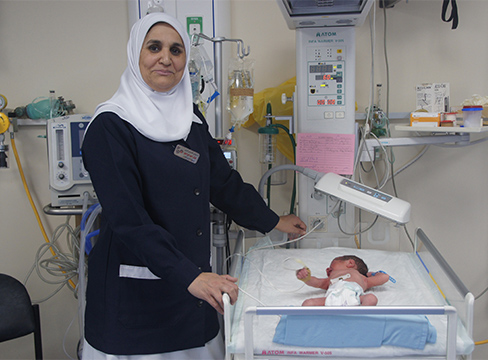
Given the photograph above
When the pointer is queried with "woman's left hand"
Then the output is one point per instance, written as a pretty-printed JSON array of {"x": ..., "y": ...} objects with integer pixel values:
[
  {"x": 291, "y": 224},
  {"x": 210, "y": 287}
]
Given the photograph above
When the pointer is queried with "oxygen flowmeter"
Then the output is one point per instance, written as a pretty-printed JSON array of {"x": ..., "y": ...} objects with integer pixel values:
[{"x": 68, "y": 179}]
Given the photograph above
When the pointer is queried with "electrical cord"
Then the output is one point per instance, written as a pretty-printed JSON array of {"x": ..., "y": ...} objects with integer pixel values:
[
  {"x": 267, "y": 280},
  {"x": 68, "y": 277},
  {"x": 454, "y": 17},
  {"x": 355, "y": 233},
  {"x": 294, "y": 146},
  {"x": 63, "y": 265}
]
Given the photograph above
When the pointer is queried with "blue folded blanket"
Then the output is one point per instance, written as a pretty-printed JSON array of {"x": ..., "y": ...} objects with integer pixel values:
[{"x": 336, "y": 331}]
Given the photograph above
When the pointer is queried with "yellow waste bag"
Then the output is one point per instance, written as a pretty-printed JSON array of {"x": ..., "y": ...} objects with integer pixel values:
[{"x": 273, "y": 96}]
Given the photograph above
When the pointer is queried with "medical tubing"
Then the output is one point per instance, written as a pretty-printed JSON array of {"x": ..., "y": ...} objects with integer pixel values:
[
  {"x": 267, "y": 280},
  {"x": 387, "y": 65},
  {"x": 294, "y": 146},
  {"x": 65, "y": 339},
  {"x": 31, "y": 201},
  {"x": 387, "y": 165},
  {"x": 287, "y": 242},
  {"x": 369, "y": 112},
  {"x": 372, "y": 21},
  {"x": 284, "y": 242},
  {"x": 372, "y": 27},
  {"x": 411, "y": 162},
  {"x": 373, "y": 166},
  {"x": 482, "y": 293},
  {"x": 88, "y": 246},
  {"x": 81, "y": 269},
  {"x": 252, "y": 297},
  {"x": 355, "y": 233},
  {"x": 312, "y": 174},
  {"x": 65, "y": 264},
  {"x": 244, "y": 256}
]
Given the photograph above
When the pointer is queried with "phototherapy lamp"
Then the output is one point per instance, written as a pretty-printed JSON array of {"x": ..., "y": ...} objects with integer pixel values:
[{"x": 357, "y": 194}]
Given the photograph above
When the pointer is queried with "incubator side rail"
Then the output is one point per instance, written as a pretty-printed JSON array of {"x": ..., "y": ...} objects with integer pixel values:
[
  {"x": 446, "y": 279},
  {"x": 236, "y": 261},
  {"x": 234, "y": 270},
  {"x": 448, "y": 311},
  {"x": 441, "y": 261},
  {"x": 227, "y": 324}
]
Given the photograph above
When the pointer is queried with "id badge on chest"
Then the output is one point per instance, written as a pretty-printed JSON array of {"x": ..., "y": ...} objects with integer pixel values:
[{"x": 186, "y": 154}]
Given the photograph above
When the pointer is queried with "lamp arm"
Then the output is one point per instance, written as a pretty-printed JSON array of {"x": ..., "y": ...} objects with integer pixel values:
[{"x": 312, "y": 174}]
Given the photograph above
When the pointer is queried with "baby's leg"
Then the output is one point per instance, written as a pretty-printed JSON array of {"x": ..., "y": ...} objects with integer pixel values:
[
  {"x": 314, "y": 302},
  {"x": 368, "y": 300}
]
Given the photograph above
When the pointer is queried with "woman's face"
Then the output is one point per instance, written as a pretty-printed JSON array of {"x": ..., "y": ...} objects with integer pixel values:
[{"x": 163, "y": 58}]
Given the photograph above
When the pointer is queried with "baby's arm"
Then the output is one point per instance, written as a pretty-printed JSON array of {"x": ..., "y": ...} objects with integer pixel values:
[
  {"x": 378, "y": 278},
  {"x": 305, "y": 275}
]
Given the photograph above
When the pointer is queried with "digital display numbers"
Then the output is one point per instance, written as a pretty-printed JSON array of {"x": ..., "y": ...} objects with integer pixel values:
[
  {"x": 326, "y": 102},
  {"x": 324, "y": 77}
]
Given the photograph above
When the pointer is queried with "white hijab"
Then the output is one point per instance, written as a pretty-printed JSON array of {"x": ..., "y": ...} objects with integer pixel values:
[{"x": 160, "y": 116}]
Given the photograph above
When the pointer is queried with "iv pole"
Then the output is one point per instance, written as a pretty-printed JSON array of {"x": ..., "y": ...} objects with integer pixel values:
[
  {"x": 218, "y": 218},
  {"x": 241, "y": 53}
]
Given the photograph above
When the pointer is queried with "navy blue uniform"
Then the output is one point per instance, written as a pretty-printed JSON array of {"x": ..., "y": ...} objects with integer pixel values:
[{"x": 155, "y": 226}]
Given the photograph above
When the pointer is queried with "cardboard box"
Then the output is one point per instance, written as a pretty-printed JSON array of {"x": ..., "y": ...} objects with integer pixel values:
[{"x": 425, "y": 119}]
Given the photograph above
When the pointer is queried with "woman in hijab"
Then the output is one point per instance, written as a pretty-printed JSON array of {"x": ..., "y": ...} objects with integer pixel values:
[{"x": 156, "y": 168}]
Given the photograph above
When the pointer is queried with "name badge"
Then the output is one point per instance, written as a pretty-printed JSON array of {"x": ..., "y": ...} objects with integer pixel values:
[{"x": 186, "y": 154}]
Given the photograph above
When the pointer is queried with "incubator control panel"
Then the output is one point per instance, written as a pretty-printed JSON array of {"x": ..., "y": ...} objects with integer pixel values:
[
  {"x": 68, "y": 178},
  {"x": 366, "y": 190},
  {"x": 326, "y": 82}
]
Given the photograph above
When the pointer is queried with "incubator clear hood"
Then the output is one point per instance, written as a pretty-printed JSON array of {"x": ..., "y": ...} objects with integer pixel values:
[{"x": 322, "y": 13}]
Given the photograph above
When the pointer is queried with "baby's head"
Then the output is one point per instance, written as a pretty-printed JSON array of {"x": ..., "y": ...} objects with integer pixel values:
[{"x": 351, "y": 262}]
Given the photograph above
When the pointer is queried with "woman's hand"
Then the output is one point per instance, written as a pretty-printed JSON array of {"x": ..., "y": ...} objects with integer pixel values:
[
  {"x": 210, "y": 287},
  {"x": 291, "y": 224}
]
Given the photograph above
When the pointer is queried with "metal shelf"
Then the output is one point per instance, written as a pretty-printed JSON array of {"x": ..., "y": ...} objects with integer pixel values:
[{"x": 442, "y": 129}]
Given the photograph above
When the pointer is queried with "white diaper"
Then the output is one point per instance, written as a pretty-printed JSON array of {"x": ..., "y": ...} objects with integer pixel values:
[{"x": 343, "y": 293}]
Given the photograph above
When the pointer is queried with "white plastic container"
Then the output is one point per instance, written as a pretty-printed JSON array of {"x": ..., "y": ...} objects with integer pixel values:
[{"x": 472, "y": 116}]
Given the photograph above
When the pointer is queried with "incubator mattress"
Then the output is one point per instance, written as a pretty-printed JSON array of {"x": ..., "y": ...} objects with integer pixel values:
[{"x": 269, "y": 276}]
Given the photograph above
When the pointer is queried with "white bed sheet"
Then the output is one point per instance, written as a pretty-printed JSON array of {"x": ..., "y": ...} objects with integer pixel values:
[{"x": 279, "y": 287}]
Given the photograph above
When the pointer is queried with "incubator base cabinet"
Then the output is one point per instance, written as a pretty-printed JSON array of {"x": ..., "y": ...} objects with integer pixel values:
[{"x": 424, "y": 311}]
